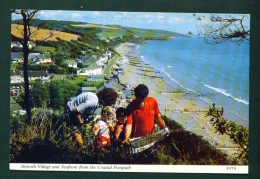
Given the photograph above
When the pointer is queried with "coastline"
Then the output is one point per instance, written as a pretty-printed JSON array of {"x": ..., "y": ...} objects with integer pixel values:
[{"x": 172, "y": 102}]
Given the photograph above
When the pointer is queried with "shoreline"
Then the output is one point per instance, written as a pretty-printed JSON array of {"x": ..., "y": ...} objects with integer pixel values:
[{"x": 172, "y": 102}]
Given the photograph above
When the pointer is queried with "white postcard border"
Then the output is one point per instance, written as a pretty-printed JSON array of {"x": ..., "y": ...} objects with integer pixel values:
[{"x": 223, "y": 169}]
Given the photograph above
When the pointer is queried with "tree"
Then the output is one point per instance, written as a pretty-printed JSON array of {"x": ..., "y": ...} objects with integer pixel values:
[
  {"x": 40, "y": 94},
  {"x": 26, "y": 33},
  {"x": 217, "y": 29},
  {"x": 60, "y": 93}
]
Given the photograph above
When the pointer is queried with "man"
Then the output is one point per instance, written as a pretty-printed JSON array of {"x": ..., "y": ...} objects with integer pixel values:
[
  {"x": 85, "y": 104},
  {"x": 143, "y": 111}
]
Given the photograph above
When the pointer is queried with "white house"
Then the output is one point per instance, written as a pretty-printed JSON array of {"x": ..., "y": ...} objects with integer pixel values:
[
  {"x": 43, "y": 75},
  {"x": 93, "y": 69},
  {"x": 30, "y": 44},
  {"x": 71, "y": 63},
  {"x": 16, "y": 77},
  {"x": 38, "y": 58}
]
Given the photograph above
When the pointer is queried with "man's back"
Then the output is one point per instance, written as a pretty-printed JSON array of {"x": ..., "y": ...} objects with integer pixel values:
[{"x": 142, "y": 118}]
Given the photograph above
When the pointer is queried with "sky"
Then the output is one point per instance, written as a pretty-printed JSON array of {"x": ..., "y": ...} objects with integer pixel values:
[{"x": 175, "y": 22}]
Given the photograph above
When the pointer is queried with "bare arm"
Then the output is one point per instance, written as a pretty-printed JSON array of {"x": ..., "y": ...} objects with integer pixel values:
[
  {"x": 110, "y": 126},
  {"x": 78, "y": 116},
  {"x": 95, "y": 129},
  {"x": 160, "y": 121},
  {"x": 118, "y": 131},
  {"x": 128, "y": 130}
]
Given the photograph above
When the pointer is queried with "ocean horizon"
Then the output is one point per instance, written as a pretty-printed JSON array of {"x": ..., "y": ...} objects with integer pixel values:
[{"x": 214, "y": 73}]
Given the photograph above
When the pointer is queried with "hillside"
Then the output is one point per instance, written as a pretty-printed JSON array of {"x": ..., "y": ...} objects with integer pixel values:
[
  {"x": 44, "y": 33},
  {"x": 80, "y": 28}
]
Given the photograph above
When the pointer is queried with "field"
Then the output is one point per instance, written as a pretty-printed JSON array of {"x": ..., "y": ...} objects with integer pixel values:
[{"x": 43, "y": 33}]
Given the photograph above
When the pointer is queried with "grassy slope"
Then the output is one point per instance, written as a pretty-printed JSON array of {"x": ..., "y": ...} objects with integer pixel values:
[
  {"x": 44, "y": 33},
  {"x": 107, "y": 30}
]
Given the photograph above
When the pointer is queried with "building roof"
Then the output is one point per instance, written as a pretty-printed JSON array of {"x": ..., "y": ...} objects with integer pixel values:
[
  {"x": 96, "y": 76},
  {"x": 15, "y": 73},
  {"x": 89, "y": 89},
  {"x": 70, "y": 61},
  {"x": 15, "y": 55},
  {"x": 38, "y": 73},
  {"x": 93, "y": 66},
  {"x": 14, "y": 105}
]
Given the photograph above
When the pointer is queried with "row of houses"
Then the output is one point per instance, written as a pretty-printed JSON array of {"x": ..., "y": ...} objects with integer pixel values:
[
  {"x": 17, "y": 76},
  {"x": 37, "y": 58},
  {"x": 30, "y": 44},
  {"x": 95, "y": 64}
]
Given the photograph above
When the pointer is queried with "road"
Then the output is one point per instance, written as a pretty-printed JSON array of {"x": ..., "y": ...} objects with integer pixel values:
[{"x": 107, "y": 69}]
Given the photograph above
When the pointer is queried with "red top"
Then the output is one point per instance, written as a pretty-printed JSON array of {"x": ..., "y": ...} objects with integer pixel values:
[{"x": 142, "y": 119}]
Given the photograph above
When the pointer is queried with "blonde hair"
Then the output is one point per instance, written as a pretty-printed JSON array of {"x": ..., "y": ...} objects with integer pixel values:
[{"x": 107, "y": 110}]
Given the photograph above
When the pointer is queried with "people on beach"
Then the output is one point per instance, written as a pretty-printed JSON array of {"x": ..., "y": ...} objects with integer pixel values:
[
  {"x": 142, "y": 112},
  {"x": 120, "y": 125},
  {"x": 103, "y": 128}
]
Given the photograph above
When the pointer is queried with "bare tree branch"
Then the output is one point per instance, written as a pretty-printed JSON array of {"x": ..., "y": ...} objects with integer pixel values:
[
  {"x": 27, "y": 32},
  {"x": 216, "y": 29}
]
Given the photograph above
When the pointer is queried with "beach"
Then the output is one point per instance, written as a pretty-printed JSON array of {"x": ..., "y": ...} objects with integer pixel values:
[{"x": 178, "y": 105}]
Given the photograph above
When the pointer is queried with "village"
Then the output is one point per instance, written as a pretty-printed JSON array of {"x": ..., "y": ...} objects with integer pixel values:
[{"x": 105, "y": 69}]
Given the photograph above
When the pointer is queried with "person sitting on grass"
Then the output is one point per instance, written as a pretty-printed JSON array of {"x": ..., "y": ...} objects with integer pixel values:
[
  {"x": 120, "y": 125},
  {"x": 102, "y": 128}
]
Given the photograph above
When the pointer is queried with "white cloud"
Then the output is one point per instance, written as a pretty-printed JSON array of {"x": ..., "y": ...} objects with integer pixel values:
[
  {"x": 76, "y": 15},
  {"x": 174, "y": 20},
  {"x": 159, "y": 15},
  {"x": 96, "y": 13},
  {"x": 147, "y": 16},
  {"x": 49, "y": 14}
]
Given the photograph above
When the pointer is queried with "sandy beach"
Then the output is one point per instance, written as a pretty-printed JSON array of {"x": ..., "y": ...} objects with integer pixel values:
[{"x": 174, "y": 103}]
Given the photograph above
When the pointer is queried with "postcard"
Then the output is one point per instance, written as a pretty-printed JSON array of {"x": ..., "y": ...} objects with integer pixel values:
[{"x": 129, "y": 91}]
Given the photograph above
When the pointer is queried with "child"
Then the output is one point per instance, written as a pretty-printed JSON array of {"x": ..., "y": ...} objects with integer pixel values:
[
  {"x": 121, "y": 117},
  {"x": 103, "y": 127}
]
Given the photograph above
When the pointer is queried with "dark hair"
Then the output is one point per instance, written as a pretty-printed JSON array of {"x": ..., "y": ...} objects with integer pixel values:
[
  {"x": 120, "y": 112},
  {"x": 107, "y": 96},
  {"x": 141, "y": 91}
]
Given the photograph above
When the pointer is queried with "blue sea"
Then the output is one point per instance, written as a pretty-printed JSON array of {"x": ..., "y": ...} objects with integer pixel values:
[{"x": 215, "y": 73}]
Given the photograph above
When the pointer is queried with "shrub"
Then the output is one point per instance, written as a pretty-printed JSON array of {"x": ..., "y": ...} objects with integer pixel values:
[{"x": 50, "y": 142}]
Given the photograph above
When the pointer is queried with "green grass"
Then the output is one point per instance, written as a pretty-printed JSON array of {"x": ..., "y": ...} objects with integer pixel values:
[
  {"x": 181, "y": 147},
  {"x": 41, "y": 48},
  {"x": 112, "y": 33},
  {"x": 75, "y": 80}
]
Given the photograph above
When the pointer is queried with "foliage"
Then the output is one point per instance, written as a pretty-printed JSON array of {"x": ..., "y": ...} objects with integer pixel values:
[
  {"x": 238, "y": 134},
  {"x": 55, "y": 146},
  {"x": 219, "y": 29},
  {"x": 61, "y": 92},
  {"x": 39, "y": 94}
]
